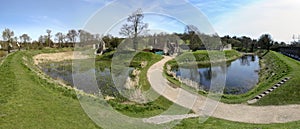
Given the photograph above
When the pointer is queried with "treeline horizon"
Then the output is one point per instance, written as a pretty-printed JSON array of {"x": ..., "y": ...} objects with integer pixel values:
[
  {"x": 192, "y": 38},
  {"x": 136, "y": 29}
]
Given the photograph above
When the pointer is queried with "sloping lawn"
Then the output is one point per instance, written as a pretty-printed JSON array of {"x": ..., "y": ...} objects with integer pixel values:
[
  {"x": 288, "y": 93},
  {"x": 26, "y": 101}
]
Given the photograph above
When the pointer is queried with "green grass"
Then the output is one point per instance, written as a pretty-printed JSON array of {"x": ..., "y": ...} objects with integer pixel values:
[
  {"x": 27, "y": 101},
  {"x": 204, "y": 57},
  {"x": 214, "y": 123},
  {"x": 288, "y": 93}
]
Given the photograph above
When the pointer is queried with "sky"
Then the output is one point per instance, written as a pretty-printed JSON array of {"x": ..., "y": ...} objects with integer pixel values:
[{"x": 227, "y": 17}]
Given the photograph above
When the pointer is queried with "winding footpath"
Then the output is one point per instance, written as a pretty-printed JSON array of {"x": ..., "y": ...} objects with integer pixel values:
[{"x": 204, "y": 106}]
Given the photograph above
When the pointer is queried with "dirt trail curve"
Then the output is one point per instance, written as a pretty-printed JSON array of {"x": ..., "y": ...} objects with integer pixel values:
[{"x": 232, "y": 112}]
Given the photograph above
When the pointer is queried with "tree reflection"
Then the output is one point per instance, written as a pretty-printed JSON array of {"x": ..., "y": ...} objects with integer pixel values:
[
  {"x": 209, "y": 73},
  {"x": 253, "y": 58},
  {"x": 244, "y": 61}
]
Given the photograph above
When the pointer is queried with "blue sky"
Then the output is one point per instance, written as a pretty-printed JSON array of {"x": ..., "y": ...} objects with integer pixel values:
[{"x": 233, "y": 17}]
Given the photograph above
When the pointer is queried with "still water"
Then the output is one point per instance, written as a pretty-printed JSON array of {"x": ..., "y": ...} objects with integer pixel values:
[
  {"x": 241, "y": 75},
  {"x": 63, "y": 71}
]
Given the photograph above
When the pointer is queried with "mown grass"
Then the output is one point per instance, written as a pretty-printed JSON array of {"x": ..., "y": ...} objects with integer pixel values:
[
  {"x": 204, "y": 57},
  {"x": 215, "y": 123},
  {"x": 288, "y": 93},
  {"x": 27, "y": 101}
]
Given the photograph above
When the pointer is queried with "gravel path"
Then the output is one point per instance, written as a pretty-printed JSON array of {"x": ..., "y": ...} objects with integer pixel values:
[{"x": 204, "y": 106}]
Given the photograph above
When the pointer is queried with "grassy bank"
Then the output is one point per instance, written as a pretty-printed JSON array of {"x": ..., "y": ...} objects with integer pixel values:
[
  {"x": 203, "y": 57},
  {"x": 288, "y": 93},
  {"x": 27, "y": 101}
]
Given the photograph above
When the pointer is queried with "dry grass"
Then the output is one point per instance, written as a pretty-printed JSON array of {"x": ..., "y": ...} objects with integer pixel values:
[{"x": 2, "y": 53}]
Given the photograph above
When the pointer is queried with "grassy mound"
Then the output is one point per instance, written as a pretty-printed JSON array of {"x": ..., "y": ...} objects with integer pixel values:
[{"x": 203, "y": 57}]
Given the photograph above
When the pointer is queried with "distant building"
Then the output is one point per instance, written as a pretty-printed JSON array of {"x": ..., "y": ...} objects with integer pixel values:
[
  {"x": 227, "y": 47},
  {"x": 99, "y": 48},
  {"x": 167, "y": 47}
]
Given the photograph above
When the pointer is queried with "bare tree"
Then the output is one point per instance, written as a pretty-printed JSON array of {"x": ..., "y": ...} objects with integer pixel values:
[
  {"x": 7, "y": 35},
  {"x": 72, "y": 34},
  {"x": 193, "y": 33},
  {"x": 85, "y": 37},
  {"x": 60, "y": 37},
  {"x": 49, "y": 36},
  {"x": 16, "y": 39},
  {"x": 41, "y": 39},
  {"x": 25, "y": 38},
  {"x": 134, "y": 27}
]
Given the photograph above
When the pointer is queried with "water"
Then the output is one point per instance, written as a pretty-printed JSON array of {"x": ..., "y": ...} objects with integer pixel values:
[
  {"x": 63, "y": 71},
  {"x": 241, "y": 75}
]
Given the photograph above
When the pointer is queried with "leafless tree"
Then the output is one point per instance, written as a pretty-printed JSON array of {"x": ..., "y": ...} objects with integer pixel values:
[
  {"x": 60, "y": 38},
  {"x": 134, "y": 27},
  {"x": 24, "y": 38},
  {"x": 7, "y": 35},
  {"x": 72, "y": 34},
  {"x": 49, "y": 36}
]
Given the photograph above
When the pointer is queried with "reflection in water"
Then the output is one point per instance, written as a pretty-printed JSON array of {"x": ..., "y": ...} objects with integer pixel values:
[
  {"x": 240, "y": 75},
  {"x": 244, "y": 61},
  {"x": 253, "y": 58},
  {"x": 63, "y": 71}
]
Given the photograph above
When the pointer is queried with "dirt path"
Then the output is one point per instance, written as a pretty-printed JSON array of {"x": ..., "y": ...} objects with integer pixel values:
[
  {"x": 57, "y": 57},
  {"x": 232, "y": 112}
]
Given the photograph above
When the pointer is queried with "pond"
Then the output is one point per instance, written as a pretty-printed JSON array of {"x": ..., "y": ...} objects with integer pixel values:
[
  {"x": 63, "y": 71},
  {"x": 241, "y": 75}
]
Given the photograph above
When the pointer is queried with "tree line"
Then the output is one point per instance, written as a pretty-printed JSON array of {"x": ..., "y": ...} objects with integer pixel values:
[{"x": 136, "y": 29}]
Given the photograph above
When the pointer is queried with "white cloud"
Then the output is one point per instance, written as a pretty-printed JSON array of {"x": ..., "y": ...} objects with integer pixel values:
[{"x": 276, "y": 17}]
